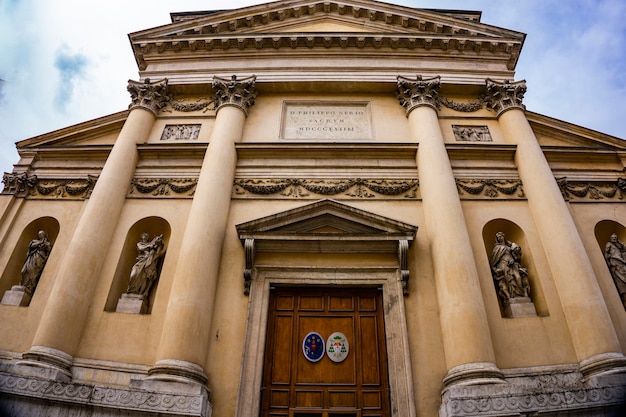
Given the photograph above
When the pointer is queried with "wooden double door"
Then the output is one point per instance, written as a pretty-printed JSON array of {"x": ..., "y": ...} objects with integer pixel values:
[{"x": 353, "y": 383}]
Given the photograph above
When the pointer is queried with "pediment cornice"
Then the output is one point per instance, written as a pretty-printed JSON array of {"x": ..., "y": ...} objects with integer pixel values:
[{"x": 368, "y": 25}]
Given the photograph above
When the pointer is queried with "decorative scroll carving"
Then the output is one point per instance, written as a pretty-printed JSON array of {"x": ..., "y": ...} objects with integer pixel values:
[
  {"x": 162, "y": 187},
  {"x": 470, "y": 106},
  {"x": 152, "y": 96},
  {"x": 403, "y": 261},
  {"x": 615, "y": 255},
  {"x": 236, "y": 93},
  {"x": 471, "y": 133},
  {"x": 181, "y": 132},
  {"x": 19, "y": 185},
  {"x": 248, "y": 271},
  {"x": 59, "y": 393},
  {"x": 504, "y": 96},
  {"x": 592, "y": 191},
  {"x": 490, "y": 188},
  {"x": 355, "y": 188},
  {"x": 418, "y": 92}
]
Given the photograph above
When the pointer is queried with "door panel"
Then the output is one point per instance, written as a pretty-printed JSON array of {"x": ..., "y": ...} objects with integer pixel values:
[{"x": 293, "y": 386}]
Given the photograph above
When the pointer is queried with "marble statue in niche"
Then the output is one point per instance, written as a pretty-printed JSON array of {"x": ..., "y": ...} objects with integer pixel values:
[
  {"x": 511, "y": 278},
  {"x": 36, "y": 257},
  {"x": 145, "y": 271},
  {"x": 615, "y": 255}
]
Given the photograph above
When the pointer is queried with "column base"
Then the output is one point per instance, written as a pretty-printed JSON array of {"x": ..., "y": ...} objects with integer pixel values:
[
  {"x": 473, "y": 374},
  {"x": 173, "y": 370},
  {"x": 47, "y": 363},
  {"x": 602, "y": 364},
  {"x": 18, "y": 295}
]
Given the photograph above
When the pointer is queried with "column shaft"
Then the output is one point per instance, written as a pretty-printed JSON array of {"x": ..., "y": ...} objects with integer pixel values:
[
  {"x": 185, "y": 336},
  {"x": 60, "y": 329},
  {"x": 585, "y": 311},
  {"x": 466, "y": 336}
]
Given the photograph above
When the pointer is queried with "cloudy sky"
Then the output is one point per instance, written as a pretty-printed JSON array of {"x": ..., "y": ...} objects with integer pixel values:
[{"x": 63, "y": 62}]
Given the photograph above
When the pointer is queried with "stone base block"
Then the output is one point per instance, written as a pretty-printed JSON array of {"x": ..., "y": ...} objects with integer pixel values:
[
  {"x": 16, "y": 296},
  {"x": 519, "y": 307},
  {"x": 132, "y": 303}
]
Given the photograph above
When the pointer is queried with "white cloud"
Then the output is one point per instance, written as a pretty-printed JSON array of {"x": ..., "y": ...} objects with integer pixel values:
[{"x": 573, "y": 58}]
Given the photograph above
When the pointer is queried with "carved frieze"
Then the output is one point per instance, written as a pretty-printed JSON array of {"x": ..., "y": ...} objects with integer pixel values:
[
  {"x": 489, "y": 188},
  {"x": 470, "y": 106},
  {"x": 233, "y": 92},
  {"x": 162, "y": 187},
  {"x": 59, "y": 395},
  {"x": 471, "y": 133},
  {"x": 506, "y": 95},
  {"x": 181, "y": 132},
  {"x": 23, "y": 185},
  {"x": 185, "y": 106},
  {"x": 592, "y": 191},
  {"x": 418, "y": 92},
  {"x": 313, "y": 189},
  {"x": 152, "y": 96}
]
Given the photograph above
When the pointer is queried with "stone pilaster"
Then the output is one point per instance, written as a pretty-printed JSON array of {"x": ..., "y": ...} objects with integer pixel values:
[
  {"x": 590, "y": 326},
  {"x": 466, "y": 337},
  {"x": 60, "y": 329},
  {"x": 182, "y": 349}
]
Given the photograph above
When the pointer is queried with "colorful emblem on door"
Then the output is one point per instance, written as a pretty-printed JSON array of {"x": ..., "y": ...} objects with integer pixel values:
[
  {"x": 313, "y": 347},
  {"x": 337, "y": 347}
]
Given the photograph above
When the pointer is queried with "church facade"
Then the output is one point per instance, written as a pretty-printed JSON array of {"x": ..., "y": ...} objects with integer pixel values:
[{"x": 317, "y": 209}]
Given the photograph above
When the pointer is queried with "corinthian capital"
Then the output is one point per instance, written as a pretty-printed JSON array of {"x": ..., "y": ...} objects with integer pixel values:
[
  {"x": 148, "y": 95},
  {"x": 504, "y": 96},
  {"x": 418, "y": 92},
  {"x": 234, "y": 93}
]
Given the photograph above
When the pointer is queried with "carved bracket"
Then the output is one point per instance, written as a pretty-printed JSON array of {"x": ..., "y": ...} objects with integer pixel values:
[
  {"x": 19, "y": 185},
  {"x": 403, "y": 261},
  {"x": 248, "y": 272}
]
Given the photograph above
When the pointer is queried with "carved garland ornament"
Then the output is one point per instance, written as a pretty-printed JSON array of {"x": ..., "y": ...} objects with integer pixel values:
[
  {"x": 490, "y": 188},
  {"x": 162, "y": 187},
  {"x": 592, "y": 191},
  {"x": 357, "y": 188},
  {"x": 23, "y": 185}
]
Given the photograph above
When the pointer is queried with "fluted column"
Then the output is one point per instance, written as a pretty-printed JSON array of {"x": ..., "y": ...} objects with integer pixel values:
[
  {"x": 60, "y": 329},
  {"x": 466, "y": 337},
  {"x": 184, "y": 341},
  {"x": 590, "y": 326}
]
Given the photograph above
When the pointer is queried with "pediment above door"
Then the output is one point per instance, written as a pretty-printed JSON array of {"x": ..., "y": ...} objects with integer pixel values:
[{"x": 327, "y": 227}]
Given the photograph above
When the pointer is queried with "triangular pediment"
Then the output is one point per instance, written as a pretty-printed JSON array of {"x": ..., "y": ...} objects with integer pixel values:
[
  {"x": 293, "y": 24},
  {"x": 326, "y": 226}
]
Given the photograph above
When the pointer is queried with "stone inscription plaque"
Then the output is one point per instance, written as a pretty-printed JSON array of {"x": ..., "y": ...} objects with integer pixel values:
[{"x": 326, "y": 120}]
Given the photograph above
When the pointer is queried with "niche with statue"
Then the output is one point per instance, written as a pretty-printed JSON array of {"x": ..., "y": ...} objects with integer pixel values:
[{"x": 139, "y": 268}]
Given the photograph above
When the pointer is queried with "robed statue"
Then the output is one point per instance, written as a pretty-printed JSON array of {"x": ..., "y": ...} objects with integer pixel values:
[
  {"x": 510, "y": 277},
  {"x": 36, "y": 257},
  {"x": 145, "y": 271},
  {"x": 615, "y": 255}
]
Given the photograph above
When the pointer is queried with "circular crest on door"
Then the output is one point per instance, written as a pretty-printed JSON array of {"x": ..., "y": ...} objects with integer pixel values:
[
  {"x": 313, "y": 346},
  {"x": 337, "y": 347}
]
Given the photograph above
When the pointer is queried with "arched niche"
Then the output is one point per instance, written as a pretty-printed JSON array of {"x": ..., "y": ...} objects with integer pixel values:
[
  {"x": 154, "y": 226},
  {"x": 12, "y": 273},
  {"x": 603, "y": 231},
  {"x": 514, "y": 233}
]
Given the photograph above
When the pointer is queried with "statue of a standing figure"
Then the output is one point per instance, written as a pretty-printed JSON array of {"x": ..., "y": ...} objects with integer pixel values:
[
  {"x": 507, "y": 271},
  {"x": 38, "y": 251},
  {"x": 615, "y": 255},
  {"x": 146, "y": 269}
]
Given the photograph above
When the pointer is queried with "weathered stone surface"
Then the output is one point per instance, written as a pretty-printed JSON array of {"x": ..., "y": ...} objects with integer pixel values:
[{"x": 16, "y": 296}]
